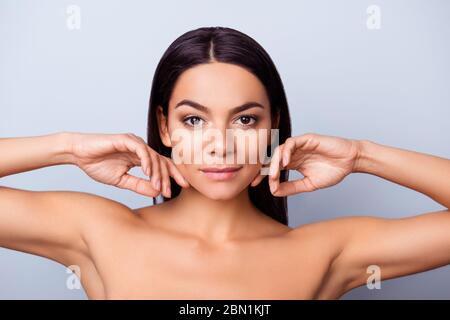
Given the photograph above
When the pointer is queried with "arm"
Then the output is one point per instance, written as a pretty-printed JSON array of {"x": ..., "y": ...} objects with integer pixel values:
[
  {"x": 29, "y": 153},
  {"x": 45, "y": 223},
  {"x": 398, "y": 246}
]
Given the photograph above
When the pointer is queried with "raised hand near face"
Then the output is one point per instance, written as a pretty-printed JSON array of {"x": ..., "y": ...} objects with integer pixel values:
[{"x": 323, "y": 161}]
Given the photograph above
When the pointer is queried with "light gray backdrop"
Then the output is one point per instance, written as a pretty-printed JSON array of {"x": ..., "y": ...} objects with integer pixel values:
[{"x": 342, "y": 76}]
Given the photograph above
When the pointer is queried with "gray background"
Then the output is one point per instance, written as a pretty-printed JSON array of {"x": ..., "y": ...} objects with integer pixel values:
[{"x": 389, "y": 85}]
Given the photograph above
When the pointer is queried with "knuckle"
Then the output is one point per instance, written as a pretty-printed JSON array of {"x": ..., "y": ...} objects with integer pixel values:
[
  {"x": 141, "y": 140},
  {"x": 127, "y": 136}
]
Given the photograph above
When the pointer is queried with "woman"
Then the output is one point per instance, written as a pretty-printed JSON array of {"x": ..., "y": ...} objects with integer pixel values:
[{"x": 221, "y": 231}]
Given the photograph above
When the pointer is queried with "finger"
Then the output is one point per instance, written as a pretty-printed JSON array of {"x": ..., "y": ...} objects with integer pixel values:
[
  {"x": 138, "y": 185},
  {"x": 165, "y": 178},
  {"x": 274, "y": 162},
  {"x": 305, "y": 142},
  {"x": 153, "y": 160},
  {"x": 176, "y": 174},
  {"x": 288, "y": 147},
  {"x": 260, "y": 176},
  {"x": 155, "y": 171},
  {"x": 275, "y": 168},
  {"x": 138, "y": 148},
  {"x": 257, "y": 180},
  {"x": 293, "y": 187}
]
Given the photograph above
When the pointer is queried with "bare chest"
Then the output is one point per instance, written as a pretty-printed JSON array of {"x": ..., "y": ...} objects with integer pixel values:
[{"x": 159, "y": 267}]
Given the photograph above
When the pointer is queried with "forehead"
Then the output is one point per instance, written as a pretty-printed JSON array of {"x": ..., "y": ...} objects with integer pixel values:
[{"x": 219, "y": 85}]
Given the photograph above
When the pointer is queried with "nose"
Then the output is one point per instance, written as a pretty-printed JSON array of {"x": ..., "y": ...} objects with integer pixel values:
[{"x": 221, "y": 144}]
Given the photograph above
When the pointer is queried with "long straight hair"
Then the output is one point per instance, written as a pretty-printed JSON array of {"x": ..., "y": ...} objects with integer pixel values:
[{"x": 206, "y": 45}]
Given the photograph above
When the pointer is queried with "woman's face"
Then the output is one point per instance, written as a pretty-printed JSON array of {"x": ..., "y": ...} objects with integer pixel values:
[{"x": 203, "y": 110}]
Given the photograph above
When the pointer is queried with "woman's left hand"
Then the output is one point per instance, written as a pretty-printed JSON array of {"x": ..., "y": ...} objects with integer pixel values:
[{"x": 322, "y": 160}]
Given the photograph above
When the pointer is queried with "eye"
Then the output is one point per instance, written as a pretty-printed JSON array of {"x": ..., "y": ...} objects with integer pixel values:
[
  {"x": 246, "y": 119},
  {"x": 194, "y": 121},
  {"x": 190, "y": 121}
]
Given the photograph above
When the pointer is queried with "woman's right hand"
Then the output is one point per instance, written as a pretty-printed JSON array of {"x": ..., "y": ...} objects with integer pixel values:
[{"x": 107, "y": 158}]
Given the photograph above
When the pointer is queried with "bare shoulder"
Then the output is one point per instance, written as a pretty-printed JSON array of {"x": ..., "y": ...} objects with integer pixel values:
[
  {"x": 91, "y": 212},
  {"x": 325, "y": 241},
  {"x": 47, "y": 223},
  {"x": 96, "y": 218},
  {"x": 99, "y": 215},
  {"x": 333, "y": 231},
  {"x": 99, "y": 219},
  {"x": 333, "y": 235},
  {"x": 103, "y": 207}
]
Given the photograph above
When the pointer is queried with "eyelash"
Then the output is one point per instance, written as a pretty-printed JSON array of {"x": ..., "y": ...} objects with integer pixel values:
[{"x": 255, "y": 118}]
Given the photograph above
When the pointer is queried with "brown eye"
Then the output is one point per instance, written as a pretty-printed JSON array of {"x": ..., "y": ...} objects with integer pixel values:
[
  {"x": 247, "y": 120},
  {"x": 192, "y": 121}
]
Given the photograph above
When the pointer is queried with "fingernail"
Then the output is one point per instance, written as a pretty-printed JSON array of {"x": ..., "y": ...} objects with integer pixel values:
[
  {"x": 285, "y": 160},
  {"x": 157, "y": 184},
  {"x": 168, "y": 192},
  {"x": 271, "y": 173}
]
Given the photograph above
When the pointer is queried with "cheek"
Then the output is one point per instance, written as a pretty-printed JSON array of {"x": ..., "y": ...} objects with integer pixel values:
[
  {"x": 183, "y": 146},
  {"x": 187, "y": 171},
  {"x": 252, "y": 150}
]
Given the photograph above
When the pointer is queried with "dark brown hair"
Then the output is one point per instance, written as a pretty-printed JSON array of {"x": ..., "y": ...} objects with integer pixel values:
[{"x": 205, "y": 45}]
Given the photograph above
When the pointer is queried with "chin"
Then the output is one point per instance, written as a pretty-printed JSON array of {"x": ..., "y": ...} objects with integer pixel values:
[
  {"x": 220, "y": 191},
  {"x": 220, "y": 196}
]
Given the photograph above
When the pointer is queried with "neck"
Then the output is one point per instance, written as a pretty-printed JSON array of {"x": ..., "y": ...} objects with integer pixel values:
[{"x": 214, "y": 220}]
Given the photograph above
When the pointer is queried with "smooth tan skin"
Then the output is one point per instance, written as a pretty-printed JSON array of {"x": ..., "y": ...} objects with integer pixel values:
[{"x": 210, "y": 242}]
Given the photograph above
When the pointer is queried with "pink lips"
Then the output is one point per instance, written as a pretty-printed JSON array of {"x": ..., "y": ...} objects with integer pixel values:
[{"x": 221, "y": 174}]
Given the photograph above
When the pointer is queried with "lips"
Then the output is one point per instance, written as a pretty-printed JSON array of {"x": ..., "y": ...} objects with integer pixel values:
[
  {"x": 220, "y": 169},
  {"x": 221, "y": 173}
]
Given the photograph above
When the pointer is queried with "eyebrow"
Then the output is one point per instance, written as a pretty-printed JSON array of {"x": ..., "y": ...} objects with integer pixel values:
[{"x": 237, "y": 109}]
